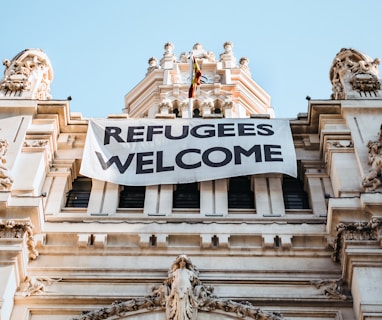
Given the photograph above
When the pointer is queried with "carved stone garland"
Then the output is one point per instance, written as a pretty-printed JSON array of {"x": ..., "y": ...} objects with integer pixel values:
[
  {"x": 182, "y": 295},
  {"x": 12, "y": 229},
  {"x": 355, "y": 231}
]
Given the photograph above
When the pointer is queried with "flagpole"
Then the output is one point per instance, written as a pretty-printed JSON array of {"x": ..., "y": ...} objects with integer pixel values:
[{"x": 190, "y": 99}]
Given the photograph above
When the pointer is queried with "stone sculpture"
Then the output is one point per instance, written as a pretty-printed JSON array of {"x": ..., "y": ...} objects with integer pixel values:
[
  {"x": 373, "y": 180},
  {"x": 181, "y": 303},
  {"x": 28, "y": 75},
  {"x": 354, "y": 75},
  {"x": 6, "y": 181}
]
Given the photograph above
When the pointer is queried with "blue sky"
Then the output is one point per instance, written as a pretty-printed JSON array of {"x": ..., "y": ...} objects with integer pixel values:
[{"x": 99, "y": 49}]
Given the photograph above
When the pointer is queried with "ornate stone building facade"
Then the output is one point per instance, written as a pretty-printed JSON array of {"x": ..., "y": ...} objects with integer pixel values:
[{"x": 259, "y": 246}]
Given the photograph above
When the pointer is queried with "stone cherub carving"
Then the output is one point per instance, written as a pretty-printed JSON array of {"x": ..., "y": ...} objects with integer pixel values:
[{"x": 373, "y": 180}]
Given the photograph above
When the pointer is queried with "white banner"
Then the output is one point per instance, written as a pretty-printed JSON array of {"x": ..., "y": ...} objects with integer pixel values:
[{"x": 156, "y": 151}]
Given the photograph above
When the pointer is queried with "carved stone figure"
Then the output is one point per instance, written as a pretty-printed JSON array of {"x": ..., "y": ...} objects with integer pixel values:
[
  {"x": 373, "y": 180},
  {"x": 181, "y": 304},
  {"x": 227, "y": 56},
  {"x": 334, "y": 289},
  {"x": 6, "y": 180}
]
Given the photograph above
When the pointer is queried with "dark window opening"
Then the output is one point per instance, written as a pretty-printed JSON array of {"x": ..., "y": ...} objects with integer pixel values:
[
  {"x": 176, "y": 112},
  {"x": 196, "y": 113},
  {"x": 215, "y": 241},
  {"x": 132, "y": 197},
  {"x": 277, "y": 242},
  {"x": 79, "y": 196},
  {"x": 240, "y": 195},
  {"x": 153, "y": 241},
  {"x": 186, "y": 196},
  {"x": 294, "y": 194}
]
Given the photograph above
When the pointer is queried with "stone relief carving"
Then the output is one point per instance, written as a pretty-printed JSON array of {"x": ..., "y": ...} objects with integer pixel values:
[
  {"x": 361, "y": 231},
  {"x": 373, "y": 180},
  {"x": 181, "y": 302},
  {"x": 334, "y": 289},
  {"x": 12, "y": 229},
  {"x": 36, "y": 286},
  {"x": 182, "y": 295},
  {"x": 341, "y": 144},
  {"x": 30, "y": 71},
  {"x": 354, "y": 75},
  {"x": 6, "y": 181}
]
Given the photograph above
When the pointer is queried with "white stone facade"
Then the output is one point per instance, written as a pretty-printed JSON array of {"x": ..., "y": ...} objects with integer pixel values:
[{"x": 261, "y": 247}]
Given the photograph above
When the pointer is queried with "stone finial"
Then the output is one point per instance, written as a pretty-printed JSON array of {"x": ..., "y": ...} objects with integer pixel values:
[
  {"x": 354, "y": 75},
  {"x": 27, "y": 76}
]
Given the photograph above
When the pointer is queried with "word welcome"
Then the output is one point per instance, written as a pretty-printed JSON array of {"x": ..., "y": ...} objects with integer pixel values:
[{"x": 150, "y": 162}]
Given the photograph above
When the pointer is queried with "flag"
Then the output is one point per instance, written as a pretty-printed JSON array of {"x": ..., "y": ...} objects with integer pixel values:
[{"x": 196, "y": 78}]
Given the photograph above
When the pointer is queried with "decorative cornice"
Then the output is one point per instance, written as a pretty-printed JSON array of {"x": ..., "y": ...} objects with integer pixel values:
[{"x": 13, "y": 229}]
